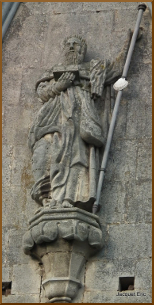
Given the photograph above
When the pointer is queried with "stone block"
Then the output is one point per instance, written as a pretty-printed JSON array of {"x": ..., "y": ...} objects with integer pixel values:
[
  {"x": 21, "y": 171},
  {"x": 14, "y": 203},
  {"x": 112, "y": 202},
  {"x": 11, "y": 85},
  {"x": 122, "y": 160},
  {"x": 29, "y": 282},
  {"x": 129, "y": 241},
  {"x": 148, "y": 216},
  {"x": 138, "y": 203},
  {"x": 144, "y": 165},
  {"x": 139, "y": 124},
  {"x": 108, "y": 297},
  {"x": 4, "y": 245},
  {"x": 54, "y": 8},
  {"x": 123, "y": 240},
  {"x": 5, "y": 274},
  {"x": 143, "y": 272},
  {"x": 104, "y": 270},
  {"x": 11, "y": 124},
  {"x": 29, "y": 298},
  {"x": 16, "y": 121},
  {"x": 15, "y": 254},
  {"x": 98, "y": 297},
  {"x": 139, "y": 115},
  {"x": 142, "y": 296},
  {"x": 99, "y": 6},
  {"x": 26, "y": 54},
  {"x": 29, "y": 99},
  {"x": 7, "y": 152}
]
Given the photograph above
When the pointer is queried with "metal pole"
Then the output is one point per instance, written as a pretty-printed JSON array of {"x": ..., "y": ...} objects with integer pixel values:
[
  {"x": 6, "y": 6},
  {"x": 9, "y": 18},
  {"x": 141, "y": 9},
  {"x": 150, "y": 7}
]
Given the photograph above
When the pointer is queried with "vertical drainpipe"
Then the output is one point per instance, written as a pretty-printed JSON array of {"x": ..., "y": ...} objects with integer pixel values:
[
  {"x": 6, "y": 6},
  {"x": 150, "y": 7},
  {"x": 8, "y": 12}
]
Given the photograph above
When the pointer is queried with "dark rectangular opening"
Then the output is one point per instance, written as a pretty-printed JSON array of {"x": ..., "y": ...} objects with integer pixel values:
[
  {"x": 126, "y": 283},
  {"x": 6, "y": 288}
]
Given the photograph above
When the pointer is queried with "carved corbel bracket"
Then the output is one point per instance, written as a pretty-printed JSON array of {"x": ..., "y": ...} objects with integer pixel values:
[{"x": 63, "y": 239}]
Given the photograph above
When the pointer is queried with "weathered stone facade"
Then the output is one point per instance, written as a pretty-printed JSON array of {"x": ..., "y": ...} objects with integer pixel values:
[{"x": 33, "y": 41}]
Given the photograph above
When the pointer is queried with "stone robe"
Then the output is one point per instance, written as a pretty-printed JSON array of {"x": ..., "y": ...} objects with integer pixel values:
[{"x": 66, "y": 137}]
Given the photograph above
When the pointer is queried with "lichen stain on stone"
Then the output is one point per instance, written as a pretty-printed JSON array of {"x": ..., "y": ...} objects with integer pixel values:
[
  {"x": 26, "y": 178},
  {"x": 26, "y": 182}
]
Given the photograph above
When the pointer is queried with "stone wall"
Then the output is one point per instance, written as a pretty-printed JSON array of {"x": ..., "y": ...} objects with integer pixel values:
[{"x": 31, "y": 45}]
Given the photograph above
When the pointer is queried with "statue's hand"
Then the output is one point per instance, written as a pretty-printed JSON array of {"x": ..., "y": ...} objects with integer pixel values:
[{"x": 64, "y": 82}]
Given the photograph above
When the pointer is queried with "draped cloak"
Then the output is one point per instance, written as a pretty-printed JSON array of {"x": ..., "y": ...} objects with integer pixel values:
[{"x": 66, "y": 163}]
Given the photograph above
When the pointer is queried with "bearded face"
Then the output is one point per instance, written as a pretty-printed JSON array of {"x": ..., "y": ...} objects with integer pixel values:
[{"x": 74, "y": 51}]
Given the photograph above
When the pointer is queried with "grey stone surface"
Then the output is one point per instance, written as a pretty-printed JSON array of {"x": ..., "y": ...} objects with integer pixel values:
[
  {"x": 15, "y": 255},
  {"x": 100, "y": 6},
  {"x": 17, "y": 219},
  {"x": 124, "y": 169},
  {"x": 108, "y": 297},
  {"x": 143, "y": 277},
  {"x": 6, "y": 165},
  {"x": 22, "y": 298},
  {"x": 129, "y": 241},
  {"x": 4, "y": 245},
  {"x": 5, "y": 274},
  {"x": 30, "y": 282},
  {"x": 55, "y": 7},
  {"x": 104, "y": 270},
  {"x": 108, "y": 272},
  {"x": 144, "y": 167},
  {"x": 138, "y": 202},
  {"x": 21, "y": 175},
  {"x": 131, "y": 202},
  {"x": 12, "y": 96}
]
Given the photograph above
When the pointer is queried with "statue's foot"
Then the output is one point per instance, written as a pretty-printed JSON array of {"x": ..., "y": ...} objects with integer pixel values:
[{"x": 67, "y": 204}]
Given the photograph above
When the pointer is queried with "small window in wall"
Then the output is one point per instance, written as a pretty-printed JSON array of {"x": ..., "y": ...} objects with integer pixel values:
[
  {"x": 6, "y": 288},
  {"x": 126, "y": 283}
]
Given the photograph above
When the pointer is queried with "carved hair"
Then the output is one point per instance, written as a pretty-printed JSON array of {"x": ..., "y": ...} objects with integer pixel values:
[{"x": 83, "y": 42}]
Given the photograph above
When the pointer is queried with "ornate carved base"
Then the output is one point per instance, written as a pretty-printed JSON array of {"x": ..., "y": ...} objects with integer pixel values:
[{"x": 62, "y": 240}]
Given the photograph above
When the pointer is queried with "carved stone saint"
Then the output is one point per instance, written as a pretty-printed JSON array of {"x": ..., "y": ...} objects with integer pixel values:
[
  {"x": 66, "y": 139},
  {"x": 67, "y": 133}
]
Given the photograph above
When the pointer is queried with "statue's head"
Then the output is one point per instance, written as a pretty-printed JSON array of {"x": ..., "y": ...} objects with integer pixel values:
[{"x": 74, "y": 49}]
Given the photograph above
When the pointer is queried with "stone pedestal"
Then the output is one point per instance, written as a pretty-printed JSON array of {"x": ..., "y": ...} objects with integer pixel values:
[{"x": 62, "y": 239}]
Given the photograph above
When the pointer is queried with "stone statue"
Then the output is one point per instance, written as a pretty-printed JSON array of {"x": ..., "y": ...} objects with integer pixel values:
[
  {"x": 67, "y": 139},
  {"x": 67, "y": 134}
]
